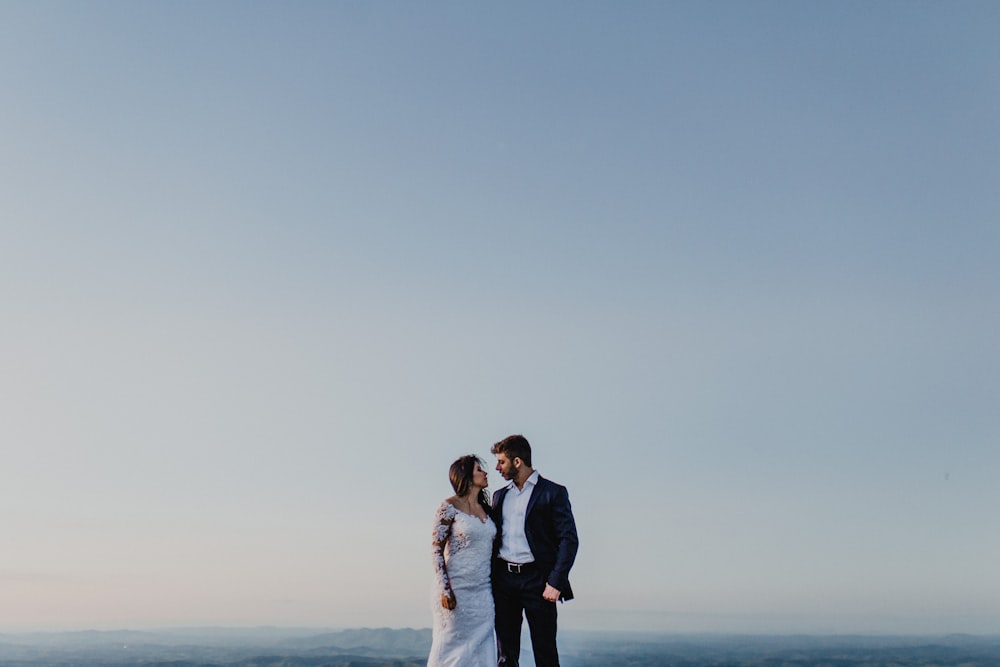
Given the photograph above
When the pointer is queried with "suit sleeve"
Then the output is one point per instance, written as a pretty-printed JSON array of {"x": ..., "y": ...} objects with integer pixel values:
[{"x": 567, "y": 541}]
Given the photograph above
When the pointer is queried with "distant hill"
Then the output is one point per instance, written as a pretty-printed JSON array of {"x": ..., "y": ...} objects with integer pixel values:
[
  {"x": 211, "y": 647},
  {"x": 400, "y": 641},
  {"x": 389, "y": 647}
]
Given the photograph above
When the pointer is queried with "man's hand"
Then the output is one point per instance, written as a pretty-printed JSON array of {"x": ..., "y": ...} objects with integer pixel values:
[
  {"x": 448, "y": 600},
  {"x": 551, "y": 594}
]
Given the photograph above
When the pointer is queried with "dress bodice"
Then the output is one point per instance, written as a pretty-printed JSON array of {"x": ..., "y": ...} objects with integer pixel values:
[{"x": 462, "y": 546}]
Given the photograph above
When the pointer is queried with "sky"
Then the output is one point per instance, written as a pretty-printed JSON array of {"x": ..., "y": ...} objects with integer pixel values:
[{"x": 267, "y": 269}]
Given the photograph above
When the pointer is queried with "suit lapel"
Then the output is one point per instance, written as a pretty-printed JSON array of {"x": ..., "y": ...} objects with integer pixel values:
[
  {"x": 498, "y": 505},
  {"x": 534, "y": 497}
]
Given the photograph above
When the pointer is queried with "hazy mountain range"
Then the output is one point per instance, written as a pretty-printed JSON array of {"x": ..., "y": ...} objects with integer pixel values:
[{"x": 385, "y": 647}]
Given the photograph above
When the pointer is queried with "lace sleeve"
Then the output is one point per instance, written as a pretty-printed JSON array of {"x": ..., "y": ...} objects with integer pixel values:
[{"x": 443, "y": 520}]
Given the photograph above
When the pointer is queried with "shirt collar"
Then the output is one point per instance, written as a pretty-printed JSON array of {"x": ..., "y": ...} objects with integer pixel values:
[{"x": 532, "y": 480}]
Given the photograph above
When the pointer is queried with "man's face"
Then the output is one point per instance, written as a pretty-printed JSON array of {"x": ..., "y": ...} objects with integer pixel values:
[{"x": 506, "y": 467}]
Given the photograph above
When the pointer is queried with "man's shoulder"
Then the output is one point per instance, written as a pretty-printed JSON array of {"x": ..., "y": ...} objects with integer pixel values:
[{"x": 549, "y": 485}]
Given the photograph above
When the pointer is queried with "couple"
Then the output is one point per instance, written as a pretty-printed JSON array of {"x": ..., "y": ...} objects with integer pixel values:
[{"x": 496, "y": 561}]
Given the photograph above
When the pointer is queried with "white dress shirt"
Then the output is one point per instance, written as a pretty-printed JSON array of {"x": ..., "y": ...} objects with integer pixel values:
[{"x": 514, "y": 543}]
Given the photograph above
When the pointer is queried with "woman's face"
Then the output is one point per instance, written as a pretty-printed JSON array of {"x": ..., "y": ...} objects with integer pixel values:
[{"x": 479, "y": 477}]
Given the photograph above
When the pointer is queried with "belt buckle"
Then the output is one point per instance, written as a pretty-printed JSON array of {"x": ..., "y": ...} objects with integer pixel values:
[{"x": 511, "y": 566}]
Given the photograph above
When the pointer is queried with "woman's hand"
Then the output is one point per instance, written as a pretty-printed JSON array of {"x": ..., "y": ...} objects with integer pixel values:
[{"x": 448, "y": 600}]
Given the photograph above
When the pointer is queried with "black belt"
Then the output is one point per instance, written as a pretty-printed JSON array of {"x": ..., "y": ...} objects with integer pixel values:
[{"x": 516, "y": 568}]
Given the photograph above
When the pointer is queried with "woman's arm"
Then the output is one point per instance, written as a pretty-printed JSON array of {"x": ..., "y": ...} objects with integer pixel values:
[{"x": 444, "y": 519}]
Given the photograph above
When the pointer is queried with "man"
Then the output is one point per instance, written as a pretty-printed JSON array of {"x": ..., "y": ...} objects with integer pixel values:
[{"x": 534, "y": 551}]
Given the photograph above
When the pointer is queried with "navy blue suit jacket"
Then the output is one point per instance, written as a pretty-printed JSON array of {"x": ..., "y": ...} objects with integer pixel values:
[{"x": 550, "y": 529}]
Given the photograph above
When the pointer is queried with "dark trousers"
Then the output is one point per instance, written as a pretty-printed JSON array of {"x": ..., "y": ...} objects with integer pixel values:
[{"x": 514, "y": 594}]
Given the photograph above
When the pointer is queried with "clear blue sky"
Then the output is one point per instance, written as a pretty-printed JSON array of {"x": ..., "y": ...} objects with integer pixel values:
[{"x": 267, "y": 268}]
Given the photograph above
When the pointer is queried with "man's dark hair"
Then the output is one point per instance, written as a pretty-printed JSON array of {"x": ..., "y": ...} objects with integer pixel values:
[{"x": 514, "y": 447}]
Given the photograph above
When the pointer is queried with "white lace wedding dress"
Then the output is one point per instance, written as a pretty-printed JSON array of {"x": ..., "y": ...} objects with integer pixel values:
[{"x": 463, "y": 547}]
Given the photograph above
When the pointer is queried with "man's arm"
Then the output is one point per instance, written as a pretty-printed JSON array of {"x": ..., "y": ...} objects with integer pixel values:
[{"x": 566, "y": 541}]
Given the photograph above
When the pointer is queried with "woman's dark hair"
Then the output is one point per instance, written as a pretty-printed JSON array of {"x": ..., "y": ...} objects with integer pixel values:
[
  {"x": 461, "y": 472},
  {"x": 514, "y": 447}
]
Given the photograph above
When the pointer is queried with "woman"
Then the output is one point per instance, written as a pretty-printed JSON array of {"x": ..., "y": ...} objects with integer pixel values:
[{"x": 462, "y": 602}]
